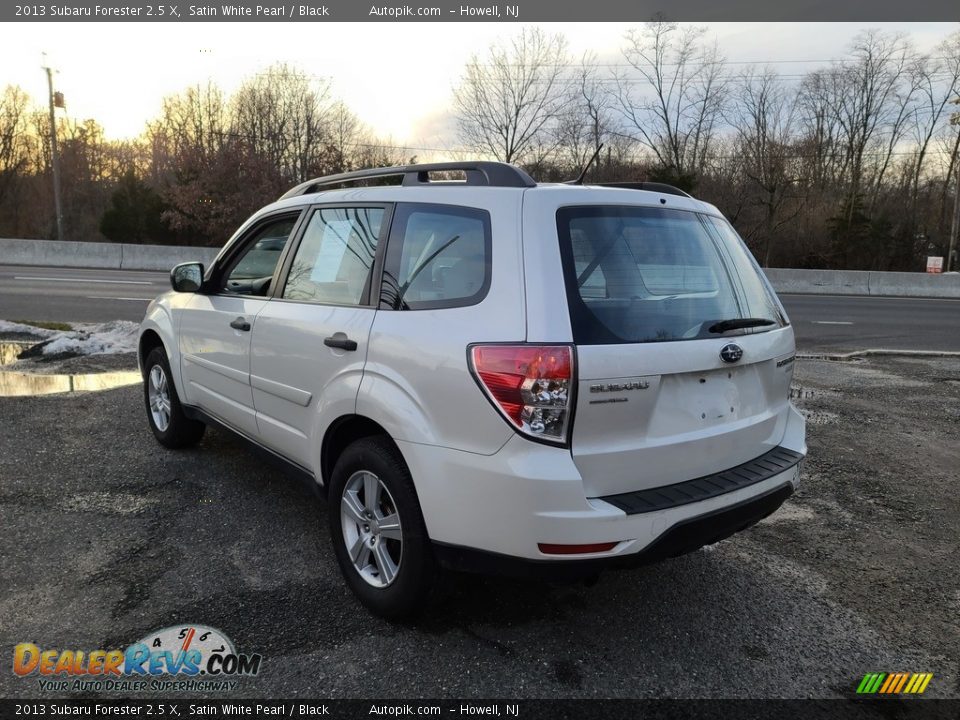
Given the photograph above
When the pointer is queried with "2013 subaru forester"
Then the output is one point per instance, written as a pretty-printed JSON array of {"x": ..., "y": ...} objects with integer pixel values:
[{"x": 489, "y": 373}]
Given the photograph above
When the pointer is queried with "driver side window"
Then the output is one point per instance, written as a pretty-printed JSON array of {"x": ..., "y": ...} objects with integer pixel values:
[{"x": 251, "y": 272}]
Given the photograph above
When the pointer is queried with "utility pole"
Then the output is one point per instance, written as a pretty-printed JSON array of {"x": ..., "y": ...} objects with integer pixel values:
[
  {"x": 955, "y": 223},
  {"x": 55, "y": 155}
]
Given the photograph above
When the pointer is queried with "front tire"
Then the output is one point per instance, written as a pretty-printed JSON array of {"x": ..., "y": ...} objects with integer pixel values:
[
  {"x": 171, "y": 427},
  {"x": 377, "y": 529}
]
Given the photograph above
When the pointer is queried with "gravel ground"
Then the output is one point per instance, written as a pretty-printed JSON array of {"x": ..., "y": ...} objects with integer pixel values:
[{"x": 107, "y": 536}]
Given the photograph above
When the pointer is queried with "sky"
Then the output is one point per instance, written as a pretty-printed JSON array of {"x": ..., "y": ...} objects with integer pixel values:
[{"x": 398, "y": 78}]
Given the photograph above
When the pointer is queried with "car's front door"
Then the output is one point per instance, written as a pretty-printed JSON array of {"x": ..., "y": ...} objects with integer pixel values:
[
  {"x": 215, "y": 326},
  {"x": 310, "y": 342}
]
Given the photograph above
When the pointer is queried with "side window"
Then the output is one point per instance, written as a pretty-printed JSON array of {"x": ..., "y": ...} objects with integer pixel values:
[
  {"x": 438, "y": 257},
  {"x": 334, "y": 260},
  {"x": 252, "y": 271}
]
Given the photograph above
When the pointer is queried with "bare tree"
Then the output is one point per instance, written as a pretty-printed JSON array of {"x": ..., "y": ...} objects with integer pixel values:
[
  {"x": 868, "y": 107},
  {"x": 673, "y": 103},
  {"x": 762, "y": 114},
  {"x": 283, "y": 115},
  {"x": 352, "y": 144},
  {"x": 819, "y": 125},
  {"x": 936, "y": 78},
  {"x": 205, "y": 175},
  {"x": 588, "y": 121},
  {"x": 194, "y": 121},
  {"x": 508, "y": 100},
  {"x": 903, "y": 116},
  {"x": 14, "y": 143}
]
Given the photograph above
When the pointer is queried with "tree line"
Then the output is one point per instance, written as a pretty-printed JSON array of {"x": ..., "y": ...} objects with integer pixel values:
[
  {"x": 197, "y": 171},
  {"x": 851, "y": 165}
]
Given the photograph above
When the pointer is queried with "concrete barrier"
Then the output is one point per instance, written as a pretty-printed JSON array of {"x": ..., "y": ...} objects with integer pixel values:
[
  {"x": 122, "y": 256},
  {"x": 107, "y": 256},
  {"x": 899, "y": 284},
  {"x": 864, "y": 282},
  {"x": 53, "y": 253},
  {"x": 822, "y": 282}
]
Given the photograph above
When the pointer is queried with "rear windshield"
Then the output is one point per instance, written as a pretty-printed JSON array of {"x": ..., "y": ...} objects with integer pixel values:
[{"x": 637, "y": 274}]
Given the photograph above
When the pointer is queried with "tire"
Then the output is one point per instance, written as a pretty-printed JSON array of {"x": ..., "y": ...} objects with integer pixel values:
[
  {"x": 395, "y": 567},
  {"x": 162, "y": 403}
]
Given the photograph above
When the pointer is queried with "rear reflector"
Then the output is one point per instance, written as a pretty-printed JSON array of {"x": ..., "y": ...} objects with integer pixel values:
[
  {"x": 550, "y": 549},
  {"x": 529, "y": 384}
]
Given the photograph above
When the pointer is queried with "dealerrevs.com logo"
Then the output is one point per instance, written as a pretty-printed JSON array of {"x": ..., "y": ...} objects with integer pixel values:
[{"x": 178, "y": 658}]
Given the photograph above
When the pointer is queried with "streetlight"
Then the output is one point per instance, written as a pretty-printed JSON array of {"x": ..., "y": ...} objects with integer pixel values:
[{"x": 56, "y": 100}]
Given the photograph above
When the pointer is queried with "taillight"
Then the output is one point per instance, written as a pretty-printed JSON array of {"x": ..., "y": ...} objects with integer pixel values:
[{"x": 530, "y": 384}]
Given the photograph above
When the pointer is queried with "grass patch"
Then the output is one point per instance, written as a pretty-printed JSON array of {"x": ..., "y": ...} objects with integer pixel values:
[{"x": 45, "y": 324}]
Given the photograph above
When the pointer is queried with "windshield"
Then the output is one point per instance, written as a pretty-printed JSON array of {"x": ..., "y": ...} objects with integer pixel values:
[{"x": 639, "y": 274}]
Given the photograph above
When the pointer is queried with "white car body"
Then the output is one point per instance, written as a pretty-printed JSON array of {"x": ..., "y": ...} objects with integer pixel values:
[{"x": 485, "y": 488}]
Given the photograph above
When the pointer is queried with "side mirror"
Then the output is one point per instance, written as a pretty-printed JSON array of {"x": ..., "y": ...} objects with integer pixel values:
[{"x": 187, "y": 277}]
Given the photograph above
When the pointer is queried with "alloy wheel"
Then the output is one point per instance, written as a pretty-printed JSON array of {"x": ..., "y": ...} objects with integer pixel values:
[{"x": 371, "y": 529}]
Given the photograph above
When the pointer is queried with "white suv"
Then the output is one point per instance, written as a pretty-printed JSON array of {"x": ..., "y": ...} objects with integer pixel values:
[{"x": 489, "y": 374}]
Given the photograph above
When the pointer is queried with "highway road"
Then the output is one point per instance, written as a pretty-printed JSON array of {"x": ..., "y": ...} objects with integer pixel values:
[
  {"x": 77, "y": 295},
  {"x": 844, "y": 322},
  {"x": 821, "y": 322}
]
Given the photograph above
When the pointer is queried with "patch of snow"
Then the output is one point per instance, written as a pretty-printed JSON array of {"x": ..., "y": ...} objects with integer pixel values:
[
  {"x": 110, "y": 338},
  {"x": 12, "y": 327}
]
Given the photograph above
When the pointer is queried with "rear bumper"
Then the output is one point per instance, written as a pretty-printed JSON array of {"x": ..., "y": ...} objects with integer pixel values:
[
  {"x": 528, "y": 494},
  {"x": 685, "y": 536}
]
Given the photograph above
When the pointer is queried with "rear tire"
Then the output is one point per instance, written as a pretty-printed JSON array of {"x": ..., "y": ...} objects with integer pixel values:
[
  {"x": 377, "y": 529},
  {"x": 171, "y": 427}
]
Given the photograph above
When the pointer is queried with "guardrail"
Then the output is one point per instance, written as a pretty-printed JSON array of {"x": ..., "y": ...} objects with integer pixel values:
[{"x": 121, "y": 256}]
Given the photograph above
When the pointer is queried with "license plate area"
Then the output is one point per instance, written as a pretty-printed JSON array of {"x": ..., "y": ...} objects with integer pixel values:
[{"x": 694, "y": 401}]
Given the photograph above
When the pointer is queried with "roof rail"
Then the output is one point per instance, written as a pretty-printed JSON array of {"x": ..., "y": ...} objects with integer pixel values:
[
  {"x": 491, "y": 174},
  {"x": 650, "y": 186}
]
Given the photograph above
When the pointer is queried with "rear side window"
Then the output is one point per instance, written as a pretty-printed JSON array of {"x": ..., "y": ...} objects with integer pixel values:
[
  {"x": 636, "y": 274},
  {"x": 438, "y": 256},
  {"x": 334, "y": 260}
]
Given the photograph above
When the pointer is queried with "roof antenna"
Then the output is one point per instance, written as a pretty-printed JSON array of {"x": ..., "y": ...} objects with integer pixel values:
[{"x": 583, "y": 173}]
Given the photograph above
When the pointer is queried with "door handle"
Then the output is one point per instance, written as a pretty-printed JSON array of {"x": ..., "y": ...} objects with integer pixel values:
[
  {"x": 240, "y": 324},
  {"x": 340, "y": 340}
]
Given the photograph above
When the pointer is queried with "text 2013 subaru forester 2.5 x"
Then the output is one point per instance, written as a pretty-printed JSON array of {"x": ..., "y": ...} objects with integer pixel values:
[{"x": 489, "y": 374}]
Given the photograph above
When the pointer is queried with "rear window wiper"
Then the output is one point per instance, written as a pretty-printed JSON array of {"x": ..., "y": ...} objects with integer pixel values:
[{"x": 738, "y": 323}]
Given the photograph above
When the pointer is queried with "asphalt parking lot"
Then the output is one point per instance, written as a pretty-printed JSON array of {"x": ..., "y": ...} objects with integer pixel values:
[{"x": 106, "y": 536}]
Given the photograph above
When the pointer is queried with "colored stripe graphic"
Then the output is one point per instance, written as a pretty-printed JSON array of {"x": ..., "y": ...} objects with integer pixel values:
[
  {"x": 894, "y": 683},
  {"x": 887, "y": 683},
  {"x": 914, "y": 683}
]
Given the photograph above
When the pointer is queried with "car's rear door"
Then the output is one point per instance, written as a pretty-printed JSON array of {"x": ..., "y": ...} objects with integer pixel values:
[
  {"x": 659, "y": 401},
  {"x": 310, "y": 342}
]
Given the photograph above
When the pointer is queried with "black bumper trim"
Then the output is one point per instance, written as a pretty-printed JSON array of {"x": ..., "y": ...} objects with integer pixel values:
[
  {"x": 771, "y": 463},
  {"x": 681, "y": 538}
]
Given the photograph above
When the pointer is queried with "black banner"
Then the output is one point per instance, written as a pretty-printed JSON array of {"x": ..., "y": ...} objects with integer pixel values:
[{"x": 478, "y": 11}]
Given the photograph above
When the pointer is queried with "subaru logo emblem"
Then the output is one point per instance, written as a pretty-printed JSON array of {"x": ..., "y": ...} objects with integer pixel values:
[{"x": 731, "y": 352}]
